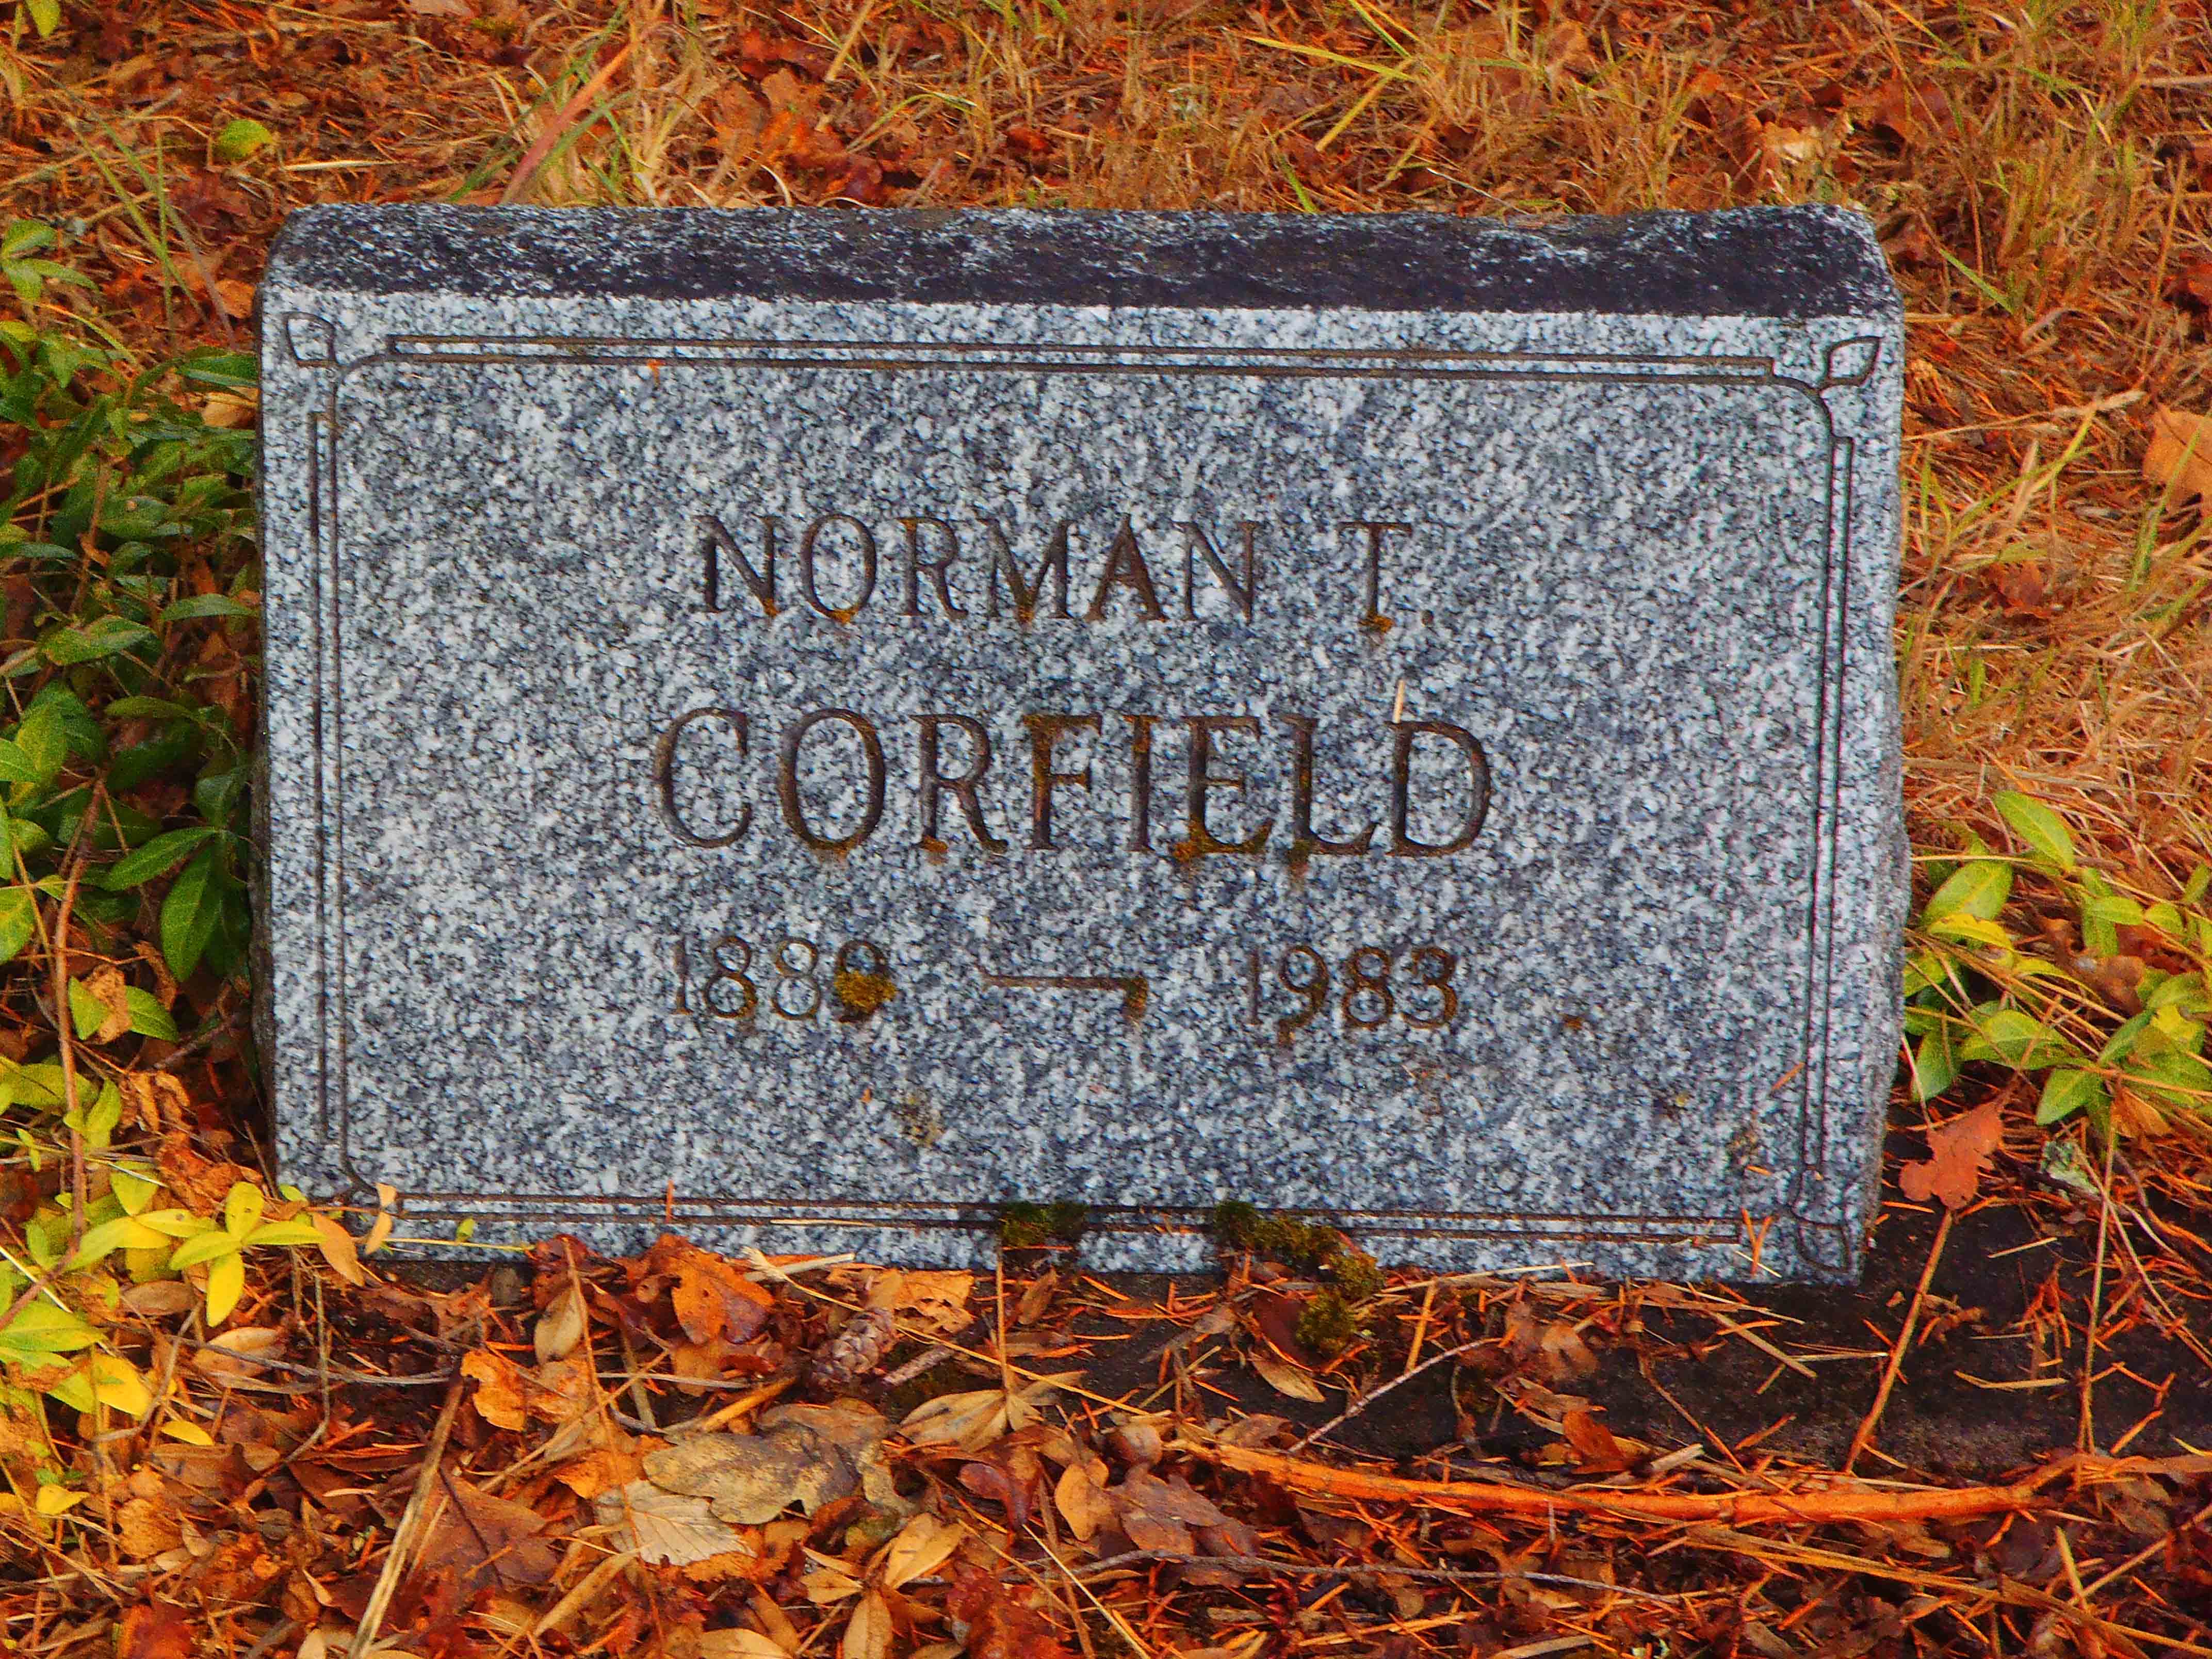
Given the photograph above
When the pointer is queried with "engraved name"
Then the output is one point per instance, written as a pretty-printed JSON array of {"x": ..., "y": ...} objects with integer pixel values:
[
  {"x": 924, "y": 566},
  {"x": 961, "y": 786}
]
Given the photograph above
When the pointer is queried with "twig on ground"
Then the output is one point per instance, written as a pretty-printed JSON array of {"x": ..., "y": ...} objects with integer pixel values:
[
  {"x": 2086, "y": 1438},
  {"x": 403, "y": 1536},
  {"x": 1864, "y": 1436},
  {"x": 1374, "y": 1394},
  {"x": 1854, "y": 1503},
  {"x": 1324, "y": 1570}
]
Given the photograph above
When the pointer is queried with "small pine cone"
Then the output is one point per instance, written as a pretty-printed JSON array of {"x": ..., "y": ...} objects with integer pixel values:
[{"x": 860, "y": 1346}]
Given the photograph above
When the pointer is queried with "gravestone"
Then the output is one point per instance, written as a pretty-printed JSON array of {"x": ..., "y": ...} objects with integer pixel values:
[{"x": 806, "y": 728}]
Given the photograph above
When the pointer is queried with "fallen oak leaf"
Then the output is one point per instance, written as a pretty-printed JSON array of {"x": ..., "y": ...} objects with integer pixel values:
[
  {"x": 2020, "y": 586},
  {"x": 1956, "y": 1153},
  {"x": 999, "y": 1626},
  {"x": 498, "y": 1394}
]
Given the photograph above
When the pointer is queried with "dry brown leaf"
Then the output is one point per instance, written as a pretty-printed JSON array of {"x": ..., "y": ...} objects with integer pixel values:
[
  {"x": 1172, "y": 1497},
  {"x": 923, "y": 1545},
  {"x": 145, "y": 1527},
  {"x": 782, "y": 89},
  {"x": 560, "y": 1327},
  {"x": 738, "y": 1644},
  {"x": 338, "y": 1249},
  {"x": 663, "y": 1528},
  {"x": 160, "y": 1299},
  {"x": 1595, "y": 1448},
  {"x": 713, "y": 1299},
  {"x": 200, "y": 1183},
  {"x": 1286, "y": 1378},
  {"x": 935, "y": 1302},
  {"x": 233, "y": 1354},
  {"x": 154, "y": 1630},
  {"x": 1957, "y": 1150},
  {"x": 154, "y": 1100},
  {"x": 488, "y": 1541},
  {"x": 805, "y": 1455},
  {"x": 1081, "y": 1496},
  {"x": 1565, "y": 1351},
  {"x": 387, "y": 1216},
  {"x": 2180, "y": 455},
  {"x": 868, "y": 1631},
  {"x": 498, "y": 1396},
  {"x": 973, "y": 1419},
  {"x": 2020, "y": 586},
  {"x": 107, "y": 987},
  {"x": 601, "y": 1469}
]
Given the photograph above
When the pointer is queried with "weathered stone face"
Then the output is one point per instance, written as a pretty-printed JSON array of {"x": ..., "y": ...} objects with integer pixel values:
[{"x": 807, "y": 728}]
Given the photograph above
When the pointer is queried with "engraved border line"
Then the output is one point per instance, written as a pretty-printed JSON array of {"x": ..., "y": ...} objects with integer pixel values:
[{"x": 1319, "y": 362}]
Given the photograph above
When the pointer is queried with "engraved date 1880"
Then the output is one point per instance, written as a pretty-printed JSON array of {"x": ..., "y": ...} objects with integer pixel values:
[
  {"x": 734, "y": 978},
  {"x": 1365, "y": 993}
]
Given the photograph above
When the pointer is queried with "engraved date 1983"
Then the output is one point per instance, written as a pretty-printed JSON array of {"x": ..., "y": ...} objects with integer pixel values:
[{"x": 1369, "y": 990}]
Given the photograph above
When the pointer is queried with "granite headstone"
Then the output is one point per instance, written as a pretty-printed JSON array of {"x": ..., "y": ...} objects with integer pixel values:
[{"x": 807, "y": 728}]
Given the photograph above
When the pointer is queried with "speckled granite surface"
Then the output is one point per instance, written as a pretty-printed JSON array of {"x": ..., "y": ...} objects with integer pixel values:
[{"x": 1455, "y": 788}]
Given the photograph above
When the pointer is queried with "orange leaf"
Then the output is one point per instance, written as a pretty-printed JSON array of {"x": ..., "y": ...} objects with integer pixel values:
[
  {"x": 1596, "y": 1448},
  {"x": 154, "y": 1630},
  {"x": 498, "y": 1398},
  {"x": 2179, "y": 456},
  {"x": 1956, "y": 1153}
]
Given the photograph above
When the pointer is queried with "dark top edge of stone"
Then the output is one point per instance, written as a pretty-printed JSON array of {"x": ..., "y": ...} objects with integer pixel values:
[{"x": 1779, "y": 262}]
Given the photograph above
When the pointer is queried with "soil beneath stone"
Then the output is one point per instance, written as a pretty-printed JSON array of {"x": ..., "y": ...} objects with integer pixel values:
[{"x": 1992, "y": 1317}]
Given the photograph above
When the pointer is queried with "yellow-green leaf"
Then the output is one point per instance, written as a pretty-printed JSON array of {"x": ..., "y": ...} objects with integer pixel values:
[
  {"x": 100, "y": 1120},
  {"x": 241, "y": 1208},
  {"x": 87, "y": 1012},
  {"x": 1976, "y": 888},
  {"x": 176, "y": 1224},
  {"x": 1974, "y": 930},
  {"x": 18, "y": 921},
  {"x": 57, "y": 1500},
  {"x": 226, "y": 1283},
  {"x": 105, "y": 1379},
  {"x": 2042, "y": 830},
  {"x": 295, "y": 1231},
  {"x": 132, "y": 1190},
  {"x": 124, "y": 1233},
  {"x": 205, "y": 1247},
  {"x": 40, "y": 1330}
]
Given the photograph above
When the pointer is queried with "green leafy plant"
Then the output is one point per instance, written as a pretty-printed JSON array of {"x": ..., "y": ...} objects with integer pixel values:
[
  {"x": 21, "y": 246},
  {"x": 117, "y": 495},
  {"x": 2096, "y": 1023}
]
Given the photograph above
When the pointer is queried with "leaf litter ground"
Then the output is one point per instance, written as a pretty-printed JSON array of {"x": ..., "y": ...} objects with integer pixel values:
[{"x": 223, "y": 1430}]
